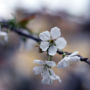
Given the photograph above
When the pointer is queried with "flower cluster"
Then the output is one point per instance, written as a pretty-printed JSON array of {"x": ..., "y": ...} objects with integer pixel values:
[
  {"x": 50, "y": 43},
  {"x": 46, "y": 72}
]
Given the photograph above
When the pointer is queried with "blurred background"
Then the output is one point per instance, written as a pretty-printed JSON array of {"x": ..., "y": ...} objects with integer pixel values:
[{"x": 16, "y": 56}]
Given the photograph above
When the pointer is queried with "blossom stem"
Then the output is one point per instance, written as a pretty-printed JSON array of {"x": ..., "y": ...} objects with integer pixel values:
[
  {"x": 49, "y": 58},
  {"x": 64, "y": 54}
]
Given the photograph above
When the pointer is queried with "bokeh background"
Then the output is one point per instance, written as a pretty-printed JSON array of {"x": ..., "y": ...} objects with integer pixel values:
[{"x": 16, "y": 57}]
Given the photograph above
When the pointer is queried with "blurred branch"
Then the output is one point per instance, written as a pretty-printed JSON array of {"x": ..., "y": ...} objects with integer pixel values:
[
  {"x": 19, "y": 31},
  {"x": 4, "y": 24}
]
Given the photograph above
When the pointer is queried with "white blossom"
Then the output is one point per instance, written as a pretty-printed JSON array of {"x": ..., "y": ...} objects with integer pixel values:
[
  {"x": 68, "y": 59},
  {"x": 48, "y": 75},
  {"x": 52, "y": 41},
  {"x": 3, "y": 36}
]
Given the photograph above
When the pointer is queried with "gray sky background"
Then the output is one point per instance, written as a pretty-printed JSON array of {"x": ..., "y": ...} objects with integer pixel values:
[{"x": 74, "y": 7}]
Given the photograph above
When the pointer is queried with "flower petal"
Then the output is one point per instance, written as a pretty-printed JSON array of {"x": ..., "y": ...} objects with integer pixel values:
[
  {"x": 51, "y": 63},
  {"x": 44, "y": 46},
  {"x": 60, "y": 43},
  {"x": 47, "y": 81},
  {"x": 46, "y": 77},
  {"x": 58, "y": 78},
  {"x": 39, "y": 62},
  {"x": 55, "y": 32},
  {"x": 44, "y": 36},
  {"x": 74, "y": 58},
  {"x": 74, "y": 53},
  {"x": 45, "y": 73},
  {"x": 67, "y": 60},
  {"x": 63, "y": 63},
  {"x": 37, "y": 70},
  {"x": 52, "y": 50},
  {"x": 53, "y": 76}
]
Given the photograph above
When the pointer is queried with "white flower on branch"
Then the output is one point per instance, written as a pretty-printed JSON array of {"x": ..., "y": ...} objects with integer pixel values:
[
  {"x": 52, "y": 41},
  {"x": 48, "y": 75},
  {"x": 68, "y": 59}
]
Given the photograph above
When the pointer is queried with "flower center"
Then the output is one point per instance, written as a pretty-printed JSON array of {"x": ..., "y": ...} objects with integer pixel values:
[
  {"x": 46, "y": 66},
  {"x": 52, "y": 43}
]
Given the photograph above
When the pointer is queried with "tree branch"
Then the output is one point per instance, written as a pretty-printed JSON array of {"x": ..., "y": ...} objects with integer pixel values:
[{"x": 4, "y": 24}]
